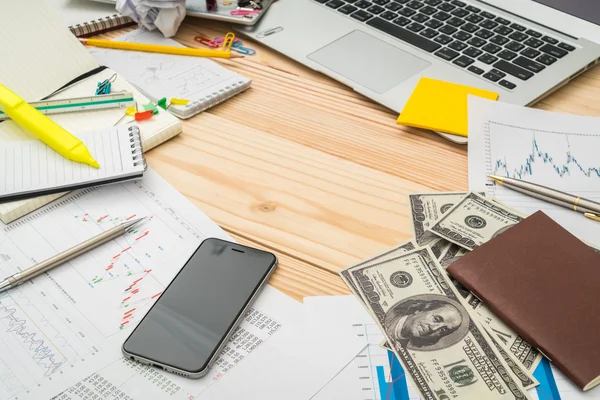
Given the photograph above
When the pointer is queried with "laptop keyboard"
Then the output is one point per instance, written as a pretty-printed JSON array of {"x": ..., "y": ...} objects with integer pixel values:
[{"x": 500, "y": 50}]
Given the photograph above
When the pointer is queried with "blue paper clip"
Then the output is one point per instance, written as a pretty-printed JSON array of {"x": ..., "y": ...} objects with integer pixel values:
[
  {"x": 105, "y": 86},
  {"x": 238, "y": 47}
]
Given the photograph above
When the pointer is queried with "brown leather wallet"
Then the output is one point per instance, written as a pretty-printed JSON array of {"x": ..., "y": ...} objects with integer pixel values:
[{"x": 544, "y": 283}]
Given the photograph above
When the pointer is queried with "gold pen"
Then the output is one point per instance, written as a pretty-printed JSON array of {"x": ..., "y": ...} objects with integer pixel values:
[{"x": 590, "y": 209}]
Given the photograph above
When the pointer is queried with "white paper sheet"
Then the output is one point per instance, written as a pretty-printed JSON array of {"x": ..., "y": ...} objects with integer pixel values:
[
  {"x": 551, "y": 149},
  {"x": 375, "y": 373}
]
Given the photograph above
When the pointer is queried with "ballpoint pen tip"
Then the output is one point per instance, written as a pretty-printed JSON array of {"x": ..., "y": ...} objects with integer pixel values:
[{"x": 495, "y": 178}]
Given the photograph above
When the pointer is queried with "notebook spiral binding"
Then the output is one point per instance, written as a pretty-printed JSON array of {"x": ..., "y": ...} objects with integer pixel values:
[
  {"x": 214, "y": 98},
  {"x": 101, "y": 25},
  {"x": 137, "y": 148}
]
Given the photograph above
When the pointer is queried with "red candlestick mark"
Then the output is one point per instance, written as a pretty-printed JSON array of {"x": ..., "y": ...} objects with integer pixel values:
[{"x": 133, "y": 216}]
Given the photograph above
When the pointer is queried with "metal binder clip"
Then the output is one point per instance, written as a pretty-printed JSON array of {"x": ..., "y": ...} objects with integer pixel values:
[{"x": 105, "y": 86}]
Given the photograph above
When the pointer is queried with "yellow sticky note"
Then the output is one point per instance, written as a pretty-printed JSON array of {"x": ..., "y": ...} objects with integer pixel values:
[{"x": 440, "y": 106}]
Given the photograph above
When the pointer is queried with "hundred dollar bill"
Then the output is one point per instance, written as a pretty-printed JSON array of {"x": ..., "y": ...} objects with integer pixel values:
[
  {"x": 453, "y": 253},
  {"x": 528, "y": 356},
  {"x": 474, "y": 221},
  {"x": 439, "y": 247},
  {"x": 524, "y": 377},
  {"x": 425, "y": 321},
  {"x": 426, "y": 209},
  {"x": 391, "y": 253}
]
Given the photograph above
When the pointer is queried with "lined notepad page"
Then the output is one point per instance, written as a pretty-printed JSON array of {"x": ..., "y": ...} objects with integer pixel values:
[{"x": 32, "y": 167}]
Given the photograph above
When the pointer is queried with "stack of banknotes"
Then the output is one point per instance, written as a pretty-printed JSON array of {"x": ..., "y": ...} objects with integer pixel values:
[{"x": 450, "y": 345}]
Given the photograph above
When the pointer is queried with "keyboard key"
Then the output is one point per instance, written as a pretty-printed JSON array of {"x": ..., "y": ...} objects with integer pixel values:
[
  {"x": 546, "y": 59},
  {"x": 507, "y": 84},
  {"x": 446, "y": 54},
  {"x": 532, "y": 42},
  {"x": 469, "y": 27},
  {"x": 515, "y": 46},
  {"x": 322, "y": 1},
  {"x": 499, "y": 40},
  {"x": 446, "y": 7},
  {"x": 458, "y": 3},
  {"x": 565, "y": 46},
  {"x": 433, "y": 3},
  {"x": 488, "y": 15},
  {"x": 443, "y": 39},
  {"x": 349, "y": 9},
  {"x": 473, "y": 52},
  {"x": 402, "y": 21},
  {"x": 518, "y": 27},
  {"x": 335, "y": 4},
  {"x": 442, "y": 16},
  {"x": 484, "y": 34},
  {"x": 420, "y": 18},
  {"x": 455, "y": 21},
  {"x": 549, "y": 39},
  {"x": 502, "y": 21},
  {"x": 447, "y": 29},
  {"x": 507, "y": 55},
  {"x": 463, "y": 61},
  {"x": 503, "y": 30},
  {"x": 403, "y": 34},
  {"x": 361, "y": 15},
  {"x": 407, "y": 12},
  {"x": 381, "y": 2},
  {"x": 460, "y": 12},
  {"x": 415, "y": 27},
  {"x": 476, "y": 42},
  {"x": 493, "y": 76},
  {"x": 513, "y": 70},
  {"x": 393, "y": 6},
  {"x": 472, "y": 9},
  {"x": 375, "y": 9},
  {"x": 553, "y": 51},
  {"x": 388, "y": 15},
  {"x": 464, "y": 36},
  {"x": 531, "y": 53},
  {"x": 415, "y": 5},
  {"x": 487, "y": 58},
  {"x": 429, "y": 33},
  {"x": 363, "y": 4},
  {"x": 488, "y": 24},
  {"x": 475, "y": 70},
  {"x": 428, "y": 10},
  {"x": 458, "y": 46},
  {"x": 528, "y": 64},
  {"x": 474, "y": 18},
  {"x": 491, "y": 48},
  {"x": 518, "y": 36},
  {"x": 434, "y": 23},
  {"x": 534, "y": 33}
]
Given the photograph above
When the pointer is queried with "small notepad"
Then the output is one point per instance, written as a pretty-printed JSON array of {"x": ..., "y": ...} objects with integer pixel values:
[
  {"x": 30, "y": 168},
  {"x": 441, "y": 106}
]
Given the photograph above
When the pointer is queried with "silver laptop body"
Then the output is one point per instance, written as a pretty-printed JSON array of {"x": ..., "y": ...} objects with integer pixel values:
[{"x": 381, "y": 48}]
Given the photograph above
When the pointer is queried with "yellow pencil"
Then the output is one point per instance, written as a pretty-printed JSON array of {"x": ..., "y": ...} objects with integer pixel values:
[{"x": 154, "y": 48}]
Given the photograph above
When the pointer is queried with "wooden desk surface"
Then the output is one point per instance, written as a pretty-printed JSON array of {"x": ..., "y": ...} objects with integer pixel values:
[{"x": 303, "y": 166}]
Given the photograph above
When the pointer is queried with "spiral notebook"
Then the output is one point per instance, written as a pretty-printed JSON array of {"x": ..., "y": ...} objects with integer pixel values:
[
  {"x": 86, "y": 18},
  {"x": 32, "y": 169},
  {"x": 202, "y": 81}
]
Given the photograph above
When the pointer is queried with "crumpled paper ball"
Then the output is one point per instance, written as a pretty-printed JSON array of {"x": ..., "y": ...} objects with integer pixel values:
[{"x": 164, "y": 15}]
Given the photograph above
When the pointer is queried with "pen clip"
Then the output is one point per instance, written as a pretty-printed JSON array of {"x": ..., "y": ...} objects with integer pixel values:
[{"x": 592, "y": 216}]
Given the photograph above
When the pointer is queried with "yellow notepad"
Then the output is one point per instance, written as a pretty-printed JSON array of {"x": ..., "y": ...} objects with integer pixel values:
[{"x": 440, "y": 106}]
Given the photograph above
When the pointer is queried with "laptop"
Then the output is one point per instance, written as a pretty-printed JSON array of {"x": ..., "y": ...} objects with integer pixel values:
[{"x": 521, "y": 49}]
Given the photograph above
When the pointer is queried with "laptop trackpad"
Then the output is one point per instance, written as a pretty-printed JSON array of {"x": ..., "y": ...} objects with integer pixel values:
[{"x": 369, "y": 61}]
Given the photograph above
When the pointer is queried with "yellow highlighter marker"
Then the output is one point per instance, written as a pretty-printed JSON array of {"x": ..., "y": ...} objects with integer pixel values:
[{"x": 44, "y": 128}]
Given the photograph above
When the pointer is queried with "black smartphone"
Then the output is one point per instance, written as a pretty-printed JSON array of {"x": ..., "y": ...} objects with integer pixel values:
[{"x": 194, "y": 317}]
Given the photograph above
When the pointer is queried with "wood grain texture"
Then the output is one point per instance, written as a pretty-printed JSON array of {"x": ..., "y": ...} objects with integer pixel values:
[{"x": 303, "y": 166}]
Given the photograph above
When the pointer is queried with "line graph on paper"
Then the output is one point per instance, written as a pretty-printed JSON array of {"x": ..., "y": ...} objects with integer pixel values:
[
  {"x": 566, "y": 161},
  {"x": 84, "y": 309}
]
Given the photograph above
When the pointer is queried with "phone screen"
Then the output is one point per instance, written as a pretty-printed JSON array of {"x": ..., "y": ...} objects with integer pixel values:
[{"x": 192, "y": 317}]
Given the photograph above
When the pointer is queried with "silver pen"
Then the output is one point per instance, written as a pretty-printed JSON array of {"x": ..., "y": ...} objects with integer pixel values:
[
  {"x": 589, "y": 208},
  {"x": 83, "y": 247}
]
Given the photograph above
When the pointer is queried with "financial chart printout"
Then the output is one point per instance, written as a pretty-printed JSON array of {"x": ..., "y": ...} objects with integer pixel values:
[
  {"x": 554, "y": 150},
  {"x": 57, "y": 328}
]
